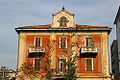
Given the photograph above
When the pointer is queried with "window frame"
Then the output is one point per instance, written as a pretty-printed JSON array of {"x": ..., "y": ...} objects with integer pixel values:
[
  {"x": 63, "y": 62},
  {"x": 35, "y": 41},
  {"x": 86, "y": 70},
  {"x": 60, "y": 42},
  {"x": 39, "y": 64},
  {"x": 88, "y": 41}
]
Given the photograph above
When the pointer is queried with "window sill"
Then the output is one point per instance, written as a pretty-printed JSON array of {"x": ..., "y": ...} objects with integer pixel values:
[
  {"x": 89, "y": 71},
  {"x": 63, "y": 48}
]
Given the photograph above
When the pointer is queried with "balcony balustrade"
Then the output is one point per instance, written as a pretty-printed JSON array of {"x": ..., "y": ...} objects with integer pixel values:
[
  {"x": 59, "y": 72},
  {"x": 89, "y": 49},
  {"x": 35, "y": 51}
]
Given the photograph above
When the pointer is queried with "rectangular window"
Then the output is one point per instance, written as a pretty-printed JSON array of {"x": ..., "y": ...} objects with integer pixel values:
[
  {"x": 88, "y": 64},
  {"x": 37, "y": 64},
  {"x": 89, "y": 41},
  {"x": 37, "y": 43},
  {"x": 63, "y": 42}
]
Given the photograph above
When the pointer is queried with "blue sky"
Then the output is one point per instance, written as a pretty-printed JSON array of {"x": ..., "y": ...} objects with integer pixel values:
[{"x": 15, "y": 13}]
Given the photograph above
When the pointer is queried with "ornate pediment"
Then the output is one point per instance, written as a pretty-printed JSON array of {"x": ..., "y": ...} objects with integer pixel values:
[{"x": 63, "y": 19}]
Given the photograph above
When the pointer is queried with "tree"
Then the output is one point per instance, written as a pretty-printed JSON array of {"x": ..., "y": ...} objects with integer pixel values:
[
  {"x": 3, "y": 79},
  {"x": 71, "y": 63}
]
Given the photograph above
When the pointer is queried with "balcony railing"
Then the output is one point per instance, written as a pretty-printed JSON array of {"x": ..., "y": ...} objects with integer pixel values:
[
  {"x": 89, "y": 49},
  {"x": 59, "y": 72},
  {"x": 35, "y": 49}
]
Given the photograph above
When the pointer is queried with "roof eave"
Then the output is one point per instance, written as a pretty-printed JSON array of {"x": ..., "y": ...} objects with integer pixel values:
[{"x": 60, "y": 29}]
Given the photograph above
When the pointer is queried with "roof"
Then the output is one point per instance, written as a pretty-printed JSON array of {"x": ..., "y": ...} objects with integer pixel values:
[
  {"x": 38, "y": 26},
  {"x": 117, "y": 16},
  {"x": 49, "y": 26},
  {"x": 87, "y": 26}
]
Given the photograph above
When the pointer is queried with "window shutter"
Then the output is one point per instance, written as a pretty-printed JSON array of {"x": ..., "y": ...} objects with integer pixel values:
[
  {"x": 92, "y": 42},
  {"x": 37, "y": 64},
  {"x": 86, "y": 41},
  {"x": 63, "y": 42},
  {"x": 59, "y": 42},
  {"x": 37, "y": 42},
  {"x": 64, "y": 64},
  {"x": 66, "y": 42},
  {"x": 89, "y": 65}
]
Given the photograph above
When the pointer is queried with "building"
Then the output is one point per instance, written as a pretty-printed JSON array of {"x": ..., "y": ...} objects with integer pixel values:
[
  {"x": 6, "y": 73},
  {"x": 117, "y": 23},
  {"x": 114, "y": 59},
  {"x": 92, "y": 47}
]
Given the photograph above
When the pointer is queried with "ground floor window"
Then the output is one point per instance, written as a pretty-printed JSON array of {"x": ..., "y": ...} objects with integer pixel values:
[
  {"x": 62, "y": 64},
  {"x": 37, "y": 64},
  {"x": 89, "y": 64}
]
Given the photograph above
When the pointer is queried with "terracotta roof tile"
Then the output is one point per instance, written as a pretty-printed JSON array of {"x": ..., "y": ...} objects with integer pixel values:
[
  {"x": 38, "y": 26},
  {"x": 86, "y": 26},
  {"x": 49, "y": 26}
]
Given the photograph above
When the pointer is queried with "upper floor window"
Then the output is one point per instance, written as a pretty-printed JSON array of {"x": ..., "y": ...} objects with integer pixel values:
[
  {"x": 63, "y": 42},
  {"x": 63, "y": 21},
  {"x": 89, "y": 64},
  {"x": 89, "y": 41},
  {"x": 37, "y": 64},
  {"x": 37, "y": 42}
]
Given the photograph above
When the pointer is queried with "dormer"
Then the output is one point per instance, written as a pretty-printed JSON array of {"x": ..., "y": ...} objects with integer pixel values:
[{"x": 63, "y": 19}]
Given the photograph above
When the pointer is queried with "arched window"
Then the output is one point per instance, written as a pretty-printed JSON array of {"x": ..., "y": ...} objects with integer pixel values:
[
  {"x": 62, "y": 65},
  {"x": 63, "y": 21}
]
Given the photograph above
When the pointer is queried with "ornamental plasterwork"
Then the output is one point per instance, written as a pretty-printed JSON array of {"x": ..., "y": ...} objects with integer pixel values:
[{"x": 63, "y": 21}]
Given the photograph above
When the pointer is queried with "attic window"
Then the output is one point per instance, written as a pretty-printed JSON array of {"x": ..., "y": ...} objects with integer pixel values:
[{"x": 63, "y": 21}]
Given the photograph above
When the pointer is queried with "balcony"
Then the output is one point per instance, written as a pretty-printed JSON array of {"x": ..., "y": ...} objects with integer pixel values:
[
  {"x": 89, "y": 49},
  {"x": 35, "y": 51},
  {"x": 59, "y": 72}
]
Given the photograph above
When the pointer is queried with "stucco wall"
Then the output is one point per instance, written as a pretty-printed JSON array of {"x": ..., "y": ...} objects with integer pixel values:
[{"x": 101, "y": 60}]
